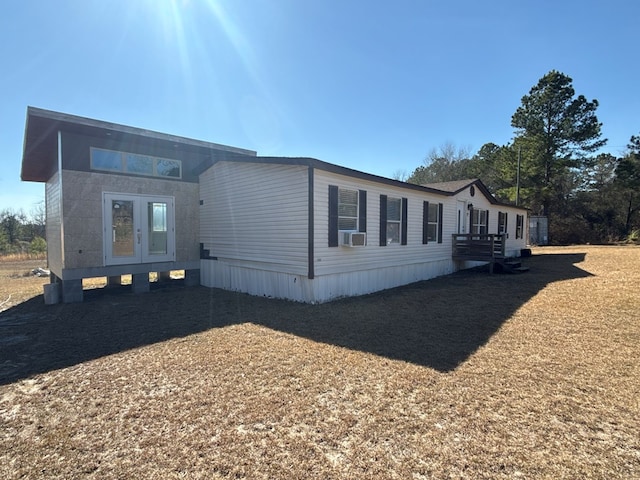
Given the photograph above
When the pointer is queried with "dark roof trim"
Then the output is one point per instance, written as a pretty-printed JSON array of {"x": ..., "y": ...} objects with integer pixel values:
[
  {"x": 39, "y": 155},
  {"x": 115, "y": 127}
]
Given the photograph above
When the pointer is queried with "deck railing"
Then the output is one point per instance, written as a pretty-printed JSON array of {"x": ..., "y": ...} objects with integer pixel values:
[{"x": 478, "y": 246}]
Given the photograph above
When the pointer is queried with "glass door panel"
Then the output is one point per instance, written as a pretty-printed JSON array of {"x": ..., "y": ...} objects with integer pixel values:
[
  {"x": 138, "y": 229},
  {"x": 122, "y": 226},
  {"x": 159, "y": 233},
  {"x": 157, "y": 228},
  {"x": 121, "y": 229}
]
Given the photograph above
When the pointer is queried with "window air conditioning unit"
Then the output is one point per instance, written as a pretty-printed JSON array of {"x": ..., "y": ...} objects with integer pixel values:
[{"x": 353, "y": 239}]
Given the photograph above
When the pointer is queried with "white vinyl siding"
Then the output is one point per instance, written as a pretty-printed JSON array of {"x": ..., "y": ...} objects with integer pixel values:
[
  {"x": 373, "y": 257},
  {"x": 254, "y": 231},
  {"x": 255, "y": 214}
]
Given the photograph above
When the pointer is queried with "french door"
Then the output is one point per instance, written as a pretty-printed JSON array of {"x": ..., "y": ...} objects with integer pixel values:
[{"x": 138, "y": 229}]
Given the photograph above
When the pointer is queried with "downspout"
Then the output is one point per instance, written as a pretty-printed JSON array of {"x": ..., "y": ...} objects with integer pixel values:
[
  {"x": 311, "y": 223},
  {"x": 60, "y": 196}
]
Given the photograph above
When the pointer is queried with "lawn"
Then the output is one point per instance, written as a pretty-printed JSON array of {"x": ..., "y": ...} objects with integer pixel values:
[{"x": 472, "y": 375}]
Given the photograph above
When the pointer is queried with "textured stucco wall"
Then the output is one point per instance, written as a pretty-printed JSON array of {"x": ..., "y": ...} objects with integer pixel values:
[{"x": 82, "y": 212}]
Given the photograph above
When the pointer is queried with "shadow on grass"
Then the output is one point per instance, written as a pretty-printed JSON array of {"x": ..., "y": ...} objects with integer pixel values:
[{"x": 437, "y": 323}]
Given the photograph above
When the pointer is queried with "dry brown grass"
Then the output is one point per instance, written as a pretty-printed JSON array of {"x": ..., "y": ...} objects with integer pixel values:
[
  {"x": 466, "y": 376},
  {"x": 17, "y": 284}
]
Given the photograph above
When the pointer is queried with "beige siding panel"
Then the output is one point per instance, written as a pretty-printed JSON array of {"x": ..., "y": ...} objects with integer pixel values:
[
  {"x": 240, "y": 199},
  {"x": 83, "y": 226},
  {"x": 255, "y": 215},
  {"x": 54, "y": 225},
  {"x": 513, "y": 245},
  {"x": 334, "y": 260}
]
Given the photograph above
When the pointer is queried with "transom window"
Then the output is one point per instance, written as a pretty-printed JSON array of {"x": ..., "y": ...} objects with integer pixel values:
[
  {"x": 134, "y": 163},
  {"x": 394, "y": 218},
  {"x": 347, "y": 209}
]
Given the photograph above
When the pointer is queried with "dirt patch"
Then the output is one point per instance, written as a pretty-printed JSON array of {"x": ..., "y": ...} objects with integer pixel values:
[{"x": 467, "y": 376}]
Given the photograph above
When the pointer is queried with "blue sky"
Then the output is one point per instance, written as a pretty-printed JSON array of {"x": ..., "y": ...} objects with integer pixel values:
[{"x": 367, "y": 84}]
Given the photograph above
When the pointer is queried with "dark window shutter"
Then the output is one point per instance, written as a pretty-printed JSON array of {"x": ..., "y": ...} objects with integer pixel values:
[
  {"x": 362, "y": 213},
  {"x": 425, "y": 222},
  {"x": 403, "y": 224},
  {"x": 440, "y": 215},
  {"x": 333, "y": 216},
  {"x": 383, "y": 220},
  {"x": 487, "y": 218}
]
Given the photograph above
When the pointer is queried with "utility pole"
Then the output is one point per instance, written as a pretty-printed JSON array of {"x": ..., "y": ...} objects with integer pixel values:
[{"x": 518, "y": 179}]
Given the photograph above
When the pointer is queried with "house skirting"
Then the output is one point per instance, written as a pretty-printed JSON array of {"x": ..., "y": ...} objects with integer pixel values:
[{"x": 323, "y": 288}]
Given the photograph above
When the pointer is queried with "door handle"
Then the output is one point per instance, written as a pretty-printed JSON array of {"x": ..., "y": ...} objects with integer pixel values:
[{"x": 139, "y": 236}]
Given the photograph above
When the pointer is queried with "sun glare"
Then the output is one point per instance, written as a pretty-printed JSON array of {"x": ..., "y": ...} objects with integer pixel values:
[{"x": 203, "y": 39}]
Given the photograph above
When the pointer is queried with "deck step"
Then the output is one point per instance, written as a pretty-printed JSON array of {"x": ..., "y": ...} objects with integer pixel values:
[{"x": 510, "y": 266}]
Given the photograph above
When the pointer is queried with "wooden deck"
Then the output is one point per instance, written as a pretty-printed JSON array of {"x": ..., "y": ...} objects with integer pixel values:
[{"x": 482, "y": 247}]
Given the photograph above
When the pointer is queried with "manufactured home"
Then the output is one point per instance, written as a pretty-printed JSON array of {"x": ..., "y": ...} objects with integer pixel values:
[{"x": 123, "y": 200}]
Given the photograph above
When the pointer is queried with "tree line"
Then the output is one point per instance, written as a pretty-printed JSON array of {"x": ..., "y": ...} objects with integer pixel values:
[
  {"x": 553, "y": 168},
  {"x": 21, "y": 233}
]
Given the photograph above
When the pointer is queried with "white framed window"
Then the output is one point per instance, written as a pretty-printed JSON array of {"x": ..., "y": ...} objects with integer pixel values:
[
  {"x": 394, "y": 219},
  {"x": 348, "y": 209},
  {"x": 134, "y": 163},
  {"x": 502, "y": 223},
  {"x": 347, "y": 212},
  {"x": 433, "y": 221},
  {"x": 479, "y": 221},
  {"x": 519, "y": 226}
]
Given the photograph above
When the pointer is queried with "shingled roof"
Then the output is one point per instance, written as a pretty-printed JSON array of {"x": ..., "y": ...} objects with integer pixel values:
[{"x": 454, "y": 186}]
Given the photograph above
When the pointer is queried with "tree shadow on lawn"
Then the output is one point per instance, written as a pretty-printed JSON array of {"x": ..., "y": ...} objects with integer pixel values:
[{"x": 437, "y": 323}]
